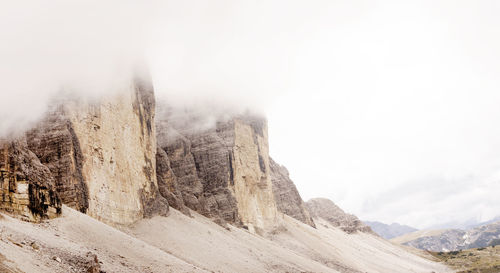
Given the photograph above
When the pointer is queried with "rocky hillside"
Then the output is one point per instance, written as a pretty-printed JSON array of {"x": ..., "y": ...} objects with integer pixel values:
[
  {"x": 453, "y": 239},
  {"x": 119, "y": 163},
  {"x": 327, "y": 210},
  {"x": 389, "y": 231}
]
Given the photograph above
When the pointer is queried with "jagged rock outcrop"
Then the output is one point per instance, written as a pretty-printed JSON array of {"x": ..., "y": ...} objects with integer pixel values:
[
  {"x": 222, "y": 170},
  {"x": 286, "y": 195},
  {"x": 27, "y": 188},
  {"x": 326, "y": 209}
]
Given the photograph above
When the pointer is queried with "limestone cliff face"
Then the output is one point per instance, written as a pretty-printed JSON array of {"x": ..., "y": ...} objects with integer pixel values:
[
  {"x": 287, "y": 196},
  {"x": 102, "y": 154},
  {"x": 251, "y": 172},
  {"x": 117, "y": 140},
  {"x": 326, "y": 209},
  {"x": 223, "y": 170},
  {"x": 27, "y": 188}
]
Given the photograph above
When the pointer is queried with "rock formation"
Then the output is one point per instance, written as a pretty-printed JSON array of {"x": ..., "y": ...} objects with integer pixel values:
[
  {"x": 101, "y": 155},
  {"x": 118, "y": 144},
  {"x": 27, "y": 188},
  {"x": 326, "y": 209},
  {"x": 55, "y": 143},
  {"x": 222, "y": 170},
  {"x": 286, "y": 195},
  {"x": 167, "y": 182}
]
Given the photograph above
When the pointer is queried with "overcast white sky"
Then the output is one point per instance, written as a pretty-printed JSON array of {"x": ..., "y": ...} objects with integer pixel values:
[{"x": 389, "y": 108}]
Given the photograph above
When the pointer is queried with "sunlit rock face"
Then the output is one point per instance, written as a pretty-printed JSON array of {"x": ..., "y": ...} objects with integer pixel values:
[
  {"x": 287, "y": 196},
  {"x": 326, "y": 209},
  {"x": 27, "y": 188},
  {"x": 222, "y": 170},
  {"x": 102, "y": 154},
  {"x": 117, "y": 140}
]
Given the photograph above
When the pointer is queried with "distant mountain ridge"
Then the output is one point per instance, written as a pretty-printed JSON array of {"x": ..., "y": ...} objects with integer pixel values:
[
  {"x": 452, "y": 239},
  {"x": 389, "y": 231}
]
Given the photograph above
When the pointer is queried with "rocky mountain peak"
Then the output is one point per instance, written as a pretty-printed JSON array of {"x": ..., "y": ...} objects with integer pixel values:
[{"x": 326, "y": 209}]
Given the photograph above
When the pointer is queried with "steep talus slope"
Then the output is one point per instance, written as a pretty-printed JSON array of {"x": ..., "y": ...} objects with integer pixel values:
[
  {"x": 64, "y": 244},
  {"x": 389, "y": 231},
  {"x": 287, "y": 196},
  {"x": 452, "y": 239},
  {"x": 349, "y": 253},
  {"x": 27, "y": 188},
  {"x": 326, "y": 209},
  {"x": 216, "y": 249}
]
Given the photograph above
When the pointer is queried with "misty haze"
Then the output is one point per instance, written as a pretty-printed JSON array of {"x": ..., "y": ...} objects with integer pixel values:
[{"x": 250, "y": 136}]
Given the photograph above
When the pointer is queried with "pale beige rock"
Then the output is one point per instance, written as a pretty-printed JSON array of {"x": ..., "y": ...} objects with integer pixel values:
[
  {"x": 252, "y": 179},
  {"x": 118, "y": 143}
]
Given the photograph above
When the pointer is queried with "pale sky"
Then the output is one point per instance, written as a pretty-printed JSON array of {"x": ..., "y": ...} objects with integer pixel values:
[{"x": 389, "y": 108}]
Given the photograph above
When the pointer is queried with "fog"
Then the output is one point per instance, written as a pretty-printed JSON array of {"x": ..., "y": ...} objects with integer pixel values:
[{"x": 389, "y": 108}]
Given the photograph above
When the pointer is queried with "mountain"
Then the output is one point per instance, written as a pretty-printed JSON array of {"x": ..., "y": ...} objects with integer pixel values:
[
  {"x": 327, "y": 210},
  {"x": 452, "y": 239},
  {"x": 126, "y": 184},
  {"x": 389, "y": 231}
]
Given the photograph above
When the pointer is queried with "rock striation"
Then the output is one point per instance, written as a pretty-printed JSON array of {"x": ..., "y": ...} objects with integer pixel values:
[
  {"x": 223, "y": 170},
  {"x": 326, "y": 209},
  {"x": 286, "y": 195},
  {"x": 101, "y": 155},
  {"x": 27, "y": 188},
  {"x": 56, "y": 145},
  {"x": 117, "y": 141}
]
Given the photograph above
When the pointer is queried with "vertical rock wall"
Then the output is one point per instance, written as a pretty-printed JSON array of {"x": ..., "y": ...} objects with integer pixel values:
[
  {"x": 222, "y": 170},
  {"x": 102, "y": 154},
  {"x": 252, "y": 174},
  {"x": 55, "y": 143},
  {"x": 118, "y": 144},
  {"x": 200, "y": 161}
]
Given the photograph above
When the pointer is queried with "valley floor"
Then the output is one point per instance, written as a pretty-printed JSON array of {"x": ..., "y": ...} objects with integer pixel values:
[{"x": 178, "y": 243}]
